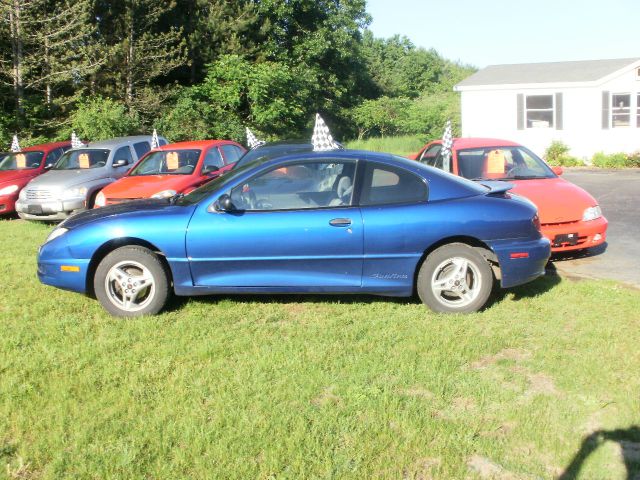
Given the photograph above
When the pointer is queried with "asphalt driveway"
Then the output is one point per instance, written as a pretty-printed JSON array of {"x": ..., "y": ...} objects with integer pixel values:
[{"x": 618, "y": 192}]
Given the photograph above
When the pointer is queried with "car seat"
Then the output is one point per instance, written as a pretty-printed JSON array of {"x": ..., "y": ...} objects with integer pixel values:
[{"x": 343, "y": 192}]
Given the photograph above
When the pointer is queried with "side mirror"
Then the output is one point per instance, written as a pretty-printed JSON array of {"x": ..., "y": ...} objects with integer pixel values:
[
  {"x": 121, "y": 162},
  {"x": 224, "y": 203},
  {"x": 48, "y": 166},
  {"x": 557, "y": 170},
  {"x": 209, "y": 169}
]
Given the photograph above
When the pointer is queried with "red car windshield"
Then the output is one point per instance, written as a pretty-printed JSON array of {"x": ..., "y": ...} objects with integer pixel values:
[
  {"x": 168, "y": 162},
  {"x": 501, "y": 163},
  {"x": 21, "y": 161}
]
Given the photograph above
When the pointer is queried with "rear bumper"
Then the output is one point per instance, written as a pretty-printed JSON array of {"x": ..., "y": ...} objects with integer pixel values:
[
  {"x": 589, "y": 234},
  {"x": 517, "y": 271}
]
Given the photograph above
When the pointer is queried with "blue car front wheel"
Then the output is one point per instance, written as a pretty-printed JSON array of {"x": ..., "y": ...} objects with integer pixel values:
[
  {"x": 131, "y": 281},
  {"x": 455, "y": 278}
]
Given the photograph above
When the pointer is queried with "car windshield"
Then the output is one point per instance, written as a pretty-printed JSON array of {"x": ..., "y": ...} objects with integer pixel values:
[
  {"x": 82, "y": 159},
  {"x": 267, "y": 151},
  {"x": 21, "y": 161},
  {"x": 501, "y": 163},
  {"x": 168, "y": 162}
]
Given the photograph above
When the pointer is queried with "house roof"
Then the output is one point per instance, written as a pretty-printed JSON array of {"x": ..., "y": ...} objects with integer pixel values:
[{"x": 551, "y": 72}]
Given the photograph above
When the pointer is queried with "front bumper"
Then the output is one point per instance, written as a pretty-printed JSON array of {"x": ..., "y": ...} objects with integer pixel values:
[
  {"x": 583, "y": 234},
  {"x": 58, "y": 268},
  {"x": 49, "y": 210},
  {"x": 8, "y": 203}
]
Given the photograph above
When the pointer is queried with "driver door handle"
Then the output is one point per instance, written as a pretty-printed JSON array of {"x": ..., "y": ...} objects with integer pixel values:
[{"x": 340, "y": 222}]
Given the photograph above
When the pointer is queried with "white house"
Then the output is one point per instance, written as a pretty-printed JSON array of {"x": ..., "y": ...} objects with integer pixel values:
[{"x": 590, "y": 106}]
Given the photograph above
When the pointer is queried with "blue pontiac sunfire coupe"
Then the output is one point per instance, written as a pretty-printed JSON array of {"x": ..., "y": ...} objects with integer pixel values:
[{"x": 340, "y": 221}]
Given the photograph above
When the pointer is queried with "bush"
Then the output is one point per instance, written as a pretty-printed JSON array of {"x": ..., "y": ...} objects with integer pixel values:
[
  {"x": 616, "y": 160},
  {"x": 557, "y": 155},
  {"x": 101, "y": 118}
]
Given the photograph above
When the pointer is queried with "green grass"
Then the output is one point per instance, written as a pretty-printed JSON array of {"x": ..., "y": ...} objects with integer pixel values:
[
  {"x": 312, "y": 387},
  {"x": 402, "y": 145}
]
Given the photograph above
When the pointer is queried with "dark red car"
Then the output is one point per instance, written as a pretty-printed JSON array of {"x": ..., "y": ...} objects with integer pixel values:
[{"x": 19, "y": 168}]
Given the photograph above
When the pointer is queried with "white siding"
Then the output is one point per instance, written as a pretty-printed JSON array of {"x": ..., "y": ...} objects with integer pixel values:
[{"x": 493, "y": 113}]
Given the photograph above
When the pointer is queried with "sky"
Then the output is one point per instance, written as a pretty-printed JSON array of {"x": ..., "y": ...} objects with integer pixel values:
[{"x": 492, "y": 32}]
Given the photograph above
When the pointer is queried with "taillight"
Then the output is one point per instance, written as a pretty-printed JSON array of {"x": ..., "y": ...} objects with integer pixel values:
[{"x": 536, "y": 222}]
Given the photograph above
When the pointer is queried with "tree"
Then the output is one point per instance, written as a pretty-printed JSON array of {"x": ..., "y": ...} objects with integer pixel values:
[{"x": 99, "y": 118}]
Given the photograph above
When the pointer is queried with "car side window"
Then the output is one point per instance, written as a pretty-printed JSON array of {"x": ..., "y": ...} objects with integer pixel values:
[
  {"x": 384, "y": 184},
  {"x": 53, "y": 156},
  {"x": 123, "y": 153},
  {"x": 430, "y": 155},
  {"x": 212, "y": 160},
  {"x": 141, "y": 148},
  {"x": 231, "y": 153},
  {"x": 322, "y": 184}
]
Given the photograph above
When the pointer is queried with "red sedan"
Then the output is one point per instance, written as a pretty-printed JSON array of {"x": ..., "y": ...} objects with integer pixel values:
[
  {"x": 171, "y": 169},
  {"x": 19, "y": 168},
  {"x": 570, "y": 217}
]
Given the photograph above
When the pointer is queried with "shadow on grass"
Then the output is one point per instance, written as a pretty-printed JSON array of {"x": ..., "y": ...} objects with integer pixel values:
[
  {"x": 579, "y": 254},
  {"x": 627, "y": 438},
  {"x": 529, "y": 290}
]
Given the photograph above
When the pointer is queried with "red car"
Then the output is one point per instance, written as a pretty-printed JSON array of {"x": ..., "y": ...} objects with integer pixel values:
[
  {"x": 171, "y": 169},
  {"x": 569, "y": 216},
  {"x": 17, "y": 169}
]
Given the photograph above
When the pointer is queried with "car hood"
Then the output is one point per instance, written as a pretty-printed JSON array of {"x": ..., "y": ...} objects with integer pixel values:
[
  {"x": 145, "y": 207},
  {"x": 68, "y": 178},
  {"x": 9, "y": 175},
  {"x": 557, "y": 199},
  {"x": 141, "y": 186}
]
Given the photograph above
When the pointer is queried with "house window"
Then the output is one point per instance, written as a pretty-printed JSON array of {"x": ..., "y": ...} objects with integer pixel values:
[
  {"x": 620, "y": 110},
  {"x": 539, "y": 111}
]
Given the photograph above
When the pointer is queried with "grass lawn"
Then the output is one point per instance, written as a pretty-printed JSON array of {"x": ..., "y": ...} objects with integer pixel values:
[{"x": 316, "y": 387}]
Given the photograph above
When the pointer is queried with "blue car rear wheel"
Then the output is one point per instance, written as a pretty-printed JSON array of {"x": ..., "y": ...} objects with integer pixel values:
[{"x": 455, "y": 278}]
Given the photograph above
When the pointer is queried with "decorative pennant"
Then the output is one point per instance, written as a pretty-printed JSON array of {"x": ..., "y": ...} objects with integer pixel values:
[
  {"x": 155, "y": 141},
  {"x": 252, "y": 141},
  {"x": 75, "y": 141},
  {"x": 15, "y": 146},
  {"x": 322, "y": 139},
  {"x": 447, "y": 145}
]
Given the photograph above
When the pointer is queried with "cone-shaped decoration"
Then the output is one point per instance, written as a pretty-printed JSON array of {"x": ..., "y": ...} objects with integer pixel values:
[
  {"x": 15, "y": 146},
  {"x": 322, "y": 139},
  {"x": 252, "y": 141},
  {"x": 75, "y": 141},
  {"x": 155, "y": 141}
]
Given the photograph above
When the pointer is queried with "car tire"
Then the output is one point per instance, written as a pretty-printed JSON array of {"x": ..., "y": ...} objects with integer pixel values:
[
  {"x": 132, "y": 281},
  {"x": 455, "y": 278}
]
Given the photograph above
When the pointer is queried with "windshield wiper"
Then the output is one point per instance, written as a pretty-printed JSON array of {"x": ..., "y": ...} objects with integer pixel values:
[{"x": 175, "y": 198}]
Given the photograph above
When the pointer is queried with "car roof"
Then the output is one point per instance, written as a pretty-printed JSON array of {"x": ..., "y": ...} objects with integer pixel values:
[
  {"x": 195, "y": 144},
  {"x": 46, "y": 147},
  {"x": 118, "y": 141}
]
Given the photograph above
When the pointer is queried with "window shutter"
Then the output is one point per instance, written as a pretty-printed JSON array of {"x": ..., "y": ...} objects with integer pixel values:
[
  {"x": 520, "y": 112},
  {"x": 559, "y": 111},
  {"x": 605, "y": 110}
]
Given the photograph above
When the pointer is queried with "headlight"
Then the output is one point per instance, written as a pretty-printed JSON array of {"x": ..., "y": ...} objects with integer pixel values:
[
  {"x": 101, "y": 201},
  {"x": 56, "y": 233},
  {"x": 591, "y": 213},
  {"x": 164, "y": 194},
  {"x": 8, "y": 190},
  {"x": 23, "y": 194},
  {"x": 78, "y": 192}
]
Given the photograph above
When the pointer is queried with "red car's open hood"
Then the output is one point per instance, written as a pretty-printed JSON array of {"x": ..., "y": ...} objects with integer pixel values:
[
  {"x": 143, "y": 186},
  {"x": 557, "y": 199}
]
